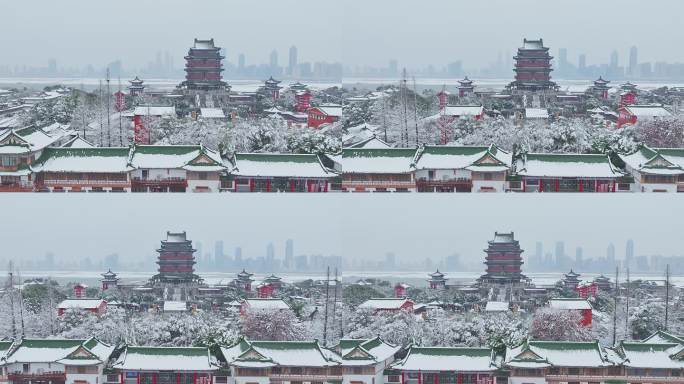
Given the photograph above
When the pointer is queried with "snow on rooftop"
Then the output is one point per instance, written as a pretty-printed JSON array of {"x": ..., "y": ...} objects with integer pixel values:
[
  {"x": 95, "y": 160},
  {"x": 446, "y": 359},
  {"x": 154, "y": 111},
  {"x": 566, "y": 165},
  {"x": 497, "y": 306},
  {"x": 212, "y": 113},
  {"x": 175, "y": 306},
  {"x": 43, "y": 351},
  {"x": 80, "y": 303},
  {"x": 388, "y": 160},
  {"x": 536, "y": 113},
  {"x": 463, "y": 110},
  {"x": 648, "y": 111},
  {"x": 569, "y": 304},
  {"x": 303, "y": 354},
  {"x": 166, "y": 359},
  {"x": 569, "y": 354},
  {"x": 331, "y": 109},
  {"x": 384, "y": 303},
  {"x": 279, "y": 165},
  {"x": 266, "y": 304},
  {"x": 640, "y": 355}
]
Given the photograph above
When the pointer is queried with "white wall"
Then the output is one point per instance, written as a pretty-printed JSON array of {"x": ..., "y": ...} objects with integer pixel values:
[
  {"x": 498, "y": 185},
  {"x": 213, "y": 185},
  {"x": 444, "y": 174},
  {"x": 526, "y": 380},
  {"x": 162, "y": 173}
]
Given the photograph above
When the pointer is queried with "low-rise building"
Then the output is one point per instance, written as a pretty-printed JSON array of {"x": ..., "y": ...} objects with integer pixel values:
[
  {"x": 389, "y": 304},
  {"x": 164, "y": 365},
  {"x": 552, "y": 172},
  {"x": 276, "y": 172},
  {"x": 461, "y": 169},
  {"x": 582, "y": 306},
  {"x": 435, "y": 365},
  {"x": 378, "y": 170},
  {"x": 656, "y": 169},
  {"x": 57, "y": 361},
  {"x": 631, "y": 114},
  {"x": 364, "y": 360},
  {"x": 323, "y": 114},
  {"x": 96, "y": 306}
]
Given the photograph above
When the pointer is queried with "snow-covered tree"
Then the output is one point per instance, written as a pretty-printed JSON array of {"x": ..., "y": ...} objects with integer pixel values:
[
  {"x": 272, "y": 325},
  {"x": 552, "y": 324}
]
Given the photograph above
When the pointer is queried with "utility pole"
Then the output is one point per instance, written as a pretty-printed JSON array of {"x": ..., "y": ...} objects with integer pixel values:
[
  {"x": 334, "y": 310},
  {"x": 52, "y": 305},
  {"x": 11, "y": 296},
  {"x": 667, "y": 293},
  {"x": 415, "y": 108},
  {"x": 627, "y": 307},
  {"x": 615, "y": 304},
  {"x": 325, "y": 317},
  {"x": 109, "y": 94},
  {"x": 99, "y": 112},
  {"x": 21, "y": 309},
  {"x": 120, "y": 108}
]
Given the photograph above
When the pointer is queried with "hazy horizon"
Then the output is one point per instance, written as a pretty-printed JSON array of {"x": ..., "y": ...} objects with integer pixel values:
[
  {"x": 354, "y": 32},
  {"x": 352, "y": 226}
]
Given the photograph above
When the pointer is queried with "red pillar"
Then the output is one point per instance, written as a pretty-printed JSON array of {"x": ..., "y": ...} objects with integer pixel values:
[
  {"x": 596, "y": 186},
  {"x": 459, "y": 380},
  {"x": 139, "y": 373},
  {"x": 523, "y": 184},
  {"x": 251, "y": 184},
  {"x": 194, "y": 378},
  {"x": 402, "y": 377},
  {"x": 436, "y": 377},
  {"x": 154, "y": 378},
  {"x": 581, "y": 188},
  {"x": 420, "y": 377},
  {"x": 268, "y": 185},
  {"x": 292, "y": 185},
  {"x": 325, "y": 188},
  {"x": 178, "y": 378},
  {"x": 557, "y": 185},
  {"x": 541, "y": 189},
  {"x": 613, "y": 185},
  {"x": 121, "y": 378}
]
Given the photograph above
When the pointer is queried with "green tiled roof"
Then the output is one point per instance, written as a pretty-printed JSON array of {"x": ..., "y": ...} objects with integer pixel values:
[
  {"x": 50, "y": 343},
  {"x": 169, "y": 351},
  {"x": 453, "y": 150},
  {"x": 452, "y": 351},
  {"x": 564, "y": 345},
  {"x": 165, "y": 149},
  {"x": 278, "y": 157},
  {"x": 378, "y": 152},
  {"x": 568, "y": 158},
  {"x": 82, "y": 152}
]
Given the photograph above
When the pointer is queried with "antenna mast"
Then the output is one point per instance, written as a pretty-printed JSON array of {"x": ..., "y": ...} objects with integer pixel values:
[
  {"x": 325, "y": 317},
  {"x": 667, "y": 293},
  {"x": 615, "y": 304},
  {"x": 334, "y": 310},
  {"x": 415, "y": 107},
  {"x": 627, "y": 307}
]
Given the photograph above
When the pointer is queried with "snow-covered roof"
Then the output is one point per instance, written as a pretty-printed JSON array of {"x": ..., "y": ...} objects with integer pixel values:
[
  {"x": 536, "y": 113},
  {"x": 280, "y": 165},
  {"x": 92, "y": 160},
  {"x": 330, "y": 109},
  {"x": 60, "y": 350},
  {"x": 80, "y": 303},
  {"x": 536, "y": 353},
  {"x": 647, "y": 110},
  {"x": 77, "y": 142},
  {"x": 35, "y": 139},
  {"x": 166, "y": 359},
  {"x": 463, "y": 110},
  {"x": 497, "y": 306},
  {"x": 387, "y": 160},
  {"x": 373, "y": 142},
  {"x": 247, "y": 353},
  {"x": 175, "y": 306},
  {"x": 660, "y": 161},
  {"x": 384, "y": 303},
  {"x": 150, "y": 110},
  {"x": 462, "y": 157},
  {"x": 212, "y": 113},
  {"x": 255, "y": 303},
  {"x": 361, "y": 351},
  {"x": 569, "y": 303},
  {"x": 664, "y": 338},
  {"x": 191, "y": 157},
  {"x": 566, "y": 165},
  {"x": 447, "y": 358},
  {"x": 651, "y": 355}
]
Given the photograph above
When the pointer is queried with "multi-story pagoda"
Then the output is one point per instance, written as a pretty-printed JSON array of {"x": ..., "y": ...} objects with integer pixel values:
[
  {"x": 272, "y": 89},
  {"x": 203, "y": 67},
  {"x": 600, "y": 88},
  {"x": 436, "y": 280},
  {"x": 465, "y": 87},
  {"x": 109, "y": 280},
  {"x": 603, "y": 283},
  {"x": 244, "y": 281},
  {"x": 628, "y": 93},
  {"x": 533, "y": 67},
  {"x": 571, "y": 280},
  {"x": 136, "y": 88},
  {"x": 176, "y": 260},
  {"x": 503, "y": 260}
]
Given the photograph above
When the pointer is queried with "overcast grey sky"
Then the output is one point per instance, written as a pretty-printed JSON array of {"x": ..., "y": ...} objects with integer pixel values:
[
  {"x": 78, "y": 32},
  {"x": 357, "y": 225},
  {"x": 357, "y": 32},
  {"x": 419, "y": 32}
]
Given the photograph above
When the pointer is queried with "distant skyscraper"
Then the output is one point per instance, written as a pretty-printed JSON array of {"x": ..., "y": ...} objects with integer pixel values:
[
  {"x": 390, "y": 261},
  {"x": 610, "y": 253},
  {"x": 562, "y": 60},
  {"x": 614, "y": 60},
  {"x": 629, "y": 252},
  {"x": 289, "y": 253},
  {"x": 241, "y": 61},
  {"x": 292, "y": 62},
  {"x": 238, "y": 255},
  {"x": 538, "y": 254},
  {"x": 582, "y": 64},
  {"x": 579, "y": 256},
  {"x": 633, "y": 61},
  {"x": 560, "y": 252},
  {"x": 52, "y": 66},
  {"x": 274, "y": 59},
  {"x": 270, "y": 253},
  {"x": 219, "y": 257},
  {"x": 393, "y": 67}
]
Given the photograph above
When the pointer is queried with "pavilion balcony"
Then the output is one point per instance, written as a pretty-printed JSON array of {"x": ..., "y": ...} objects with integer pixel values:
[
  {"x": 168, "y": 181},
  {"x": 379, "y": 183},
  {"x": 53, "y": 376},
  {"x": 85, "y": 183},
  {"x": 17, "y": 187},
  {"x": 304, "y": 377}
]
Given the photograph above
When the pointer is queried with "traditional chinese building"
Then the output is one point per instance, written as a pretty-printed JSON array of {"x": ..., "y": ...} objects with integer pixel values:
[
  {"x": 603, "y": 283},
  {"x": 164, "y": 365},
  {"x": 581, "y": 306},
  {"x": 324, "y": 114},
  {"x": 656, "y": 169},
  {"x": 436, "y": 280},
  {"x": 435, "y": 365},
  {"x": 365, "y": 360},
  {"x": 571, "y": 280},
  {"x": 503, "y": 260},
  {"x": 176, "y": 260},
  {"x": 628, "y": 94},
  {"x": 378, "y": 170},
  {"x": 533, "y": 67},
  {"x": 587, "y": 289},
  {"x": 274, "y": 172},
  {"x": 244, "y": 281},
  {"x": 269, "y": 286},
  {"x": 80, "y": 290},
  {"x": 465, "y": 87},
  {"x": 387, "y": 304},
  {"x": 600, "y": 88},
  {"x": 203, "y": 66},
  {"x": 443, "y": 168},
  {"x": 137, "y": 87},
  {"x": 96, "y": 306},
  {"x": 272, "y": 88},
  {"x": 302, "y": 100},
  {"x": 632, "y": 113},
  {"x": 401, "y": 289},
  {"x": 109, "y": 280}
]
